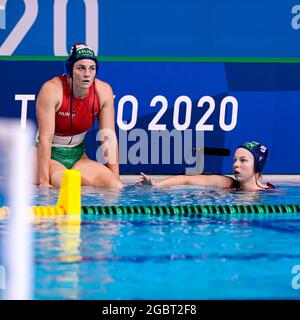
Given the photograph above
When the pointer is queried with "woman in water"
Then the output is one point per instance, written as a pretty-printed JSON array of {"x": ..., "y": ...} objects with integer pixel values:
[{"x": 248, "y": 162}]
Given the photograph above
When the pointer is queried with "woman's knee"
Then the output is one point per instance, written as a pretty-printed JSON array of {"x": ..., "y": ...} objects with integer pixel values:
[
  {"x": 117, "y": 184},
  {"x": 110, "y": 181},
  {"x": 56, "y": 178},
  {"x": 113, "y": 183}
]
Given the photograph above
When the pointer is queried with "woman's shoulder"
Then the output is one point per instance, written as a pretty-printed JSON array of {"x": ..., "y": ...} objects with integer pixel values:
[
  {"x": 220, "y": 181},
  {"x": 104, "y": 92},
  {"x": 231, "y": 183},
  {"x": 103, "y": 86},
  {"x": 51, "y": 92},
  {"x": 54, "y": 83}
]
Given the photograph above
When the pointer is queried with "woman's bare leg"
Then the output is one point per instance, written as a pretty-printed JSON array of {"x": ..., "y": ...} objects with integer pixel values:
[
  {"x": 56, "y": 172},
  {"x": 96, "y": 174}
]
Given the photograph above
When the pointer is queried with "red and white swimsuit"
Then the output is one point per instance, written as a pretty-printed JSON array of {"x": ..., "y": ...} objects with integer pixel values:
[{"x": 82, "y": 116}]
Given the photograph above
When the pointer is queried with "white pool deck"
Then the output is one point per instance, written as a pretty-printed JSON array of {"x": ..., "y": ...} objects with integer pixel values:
[{"x": 276, "y": 179}]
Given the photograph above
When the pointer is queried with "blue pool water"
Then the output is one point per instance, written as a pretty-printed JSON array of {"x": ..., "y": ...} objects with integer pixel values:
[
  {"x": 149, "y": 257},
  {"x": 146, "y": 195}
]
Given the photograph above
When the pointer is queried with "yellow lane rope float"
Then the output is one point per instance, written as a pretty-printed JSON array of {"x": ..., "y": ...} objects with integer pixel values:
[{"x": 69, "y": 200}]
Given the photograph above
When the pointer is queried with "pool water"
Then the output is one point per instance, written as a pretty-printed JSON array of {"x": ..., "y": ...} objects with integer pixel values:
[
  {"x": 147, "y": 195},
  {"x": 150, "y": 257}
]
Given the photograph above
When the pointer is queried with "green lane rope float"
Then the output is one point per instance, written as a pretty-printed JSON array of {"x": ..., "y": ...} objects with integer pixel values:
[{"x": 194, "y": 210}]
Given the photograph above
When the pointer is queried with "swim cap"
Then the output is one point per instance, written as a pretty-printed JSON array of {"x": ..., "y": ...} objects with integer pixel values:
[
  {"x": 260, "y": 154},
  {"x": 80, "y": 51}
]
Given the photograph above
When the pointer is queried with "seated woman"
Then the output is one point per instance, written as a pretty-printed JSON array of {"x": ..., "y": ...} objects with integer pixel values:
[
  {"x": 66, "y": 109},
  {"x": 248, "y": 162}
]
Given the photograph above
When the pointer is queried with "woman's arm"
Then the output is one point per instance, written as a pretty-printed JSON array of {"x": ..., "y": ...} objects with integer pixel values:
[
  {"x": 47, "y": 101},
  {"x": 198, "y": 180},
  {"x": 107, "y": 127}
]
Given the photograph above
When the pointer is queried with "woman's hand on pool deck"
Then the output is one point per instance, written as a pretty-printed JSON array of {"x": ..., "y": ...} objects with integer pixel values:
[{"x": 145, "y": 180}]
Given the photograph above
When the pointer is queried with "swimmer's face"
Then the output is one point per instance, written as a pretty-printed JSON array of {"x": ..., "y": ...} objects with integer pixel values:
[
  {"x": 243, "y": 165},
  {"x": 84, "y": 72}
]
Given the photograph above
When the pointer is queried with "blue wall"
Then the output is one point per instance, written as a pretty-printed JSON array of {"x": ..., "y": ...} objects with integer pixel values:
[
  {"x": 206, "y": 28},
  {"x": 268, "y": 94}
]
